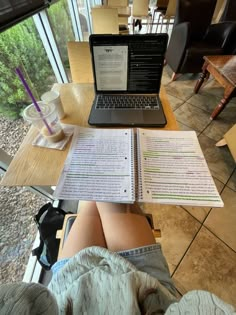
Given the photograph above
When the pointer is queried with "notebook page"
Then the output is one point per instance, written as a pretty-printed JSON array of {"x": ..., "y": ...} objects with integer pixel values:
[
  {"x": 173, "y": 169},
  {"x": 99, "y": 166}
]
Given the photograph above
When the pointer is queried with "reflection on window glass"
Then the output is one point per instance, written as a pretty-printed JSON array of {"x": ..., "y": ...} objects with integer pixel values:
[
  {"x": 83, "y": 18},
  {"x": 20, "y": 46},
  {"x": 18, "y": 230},
  {"x": 60, "y": 20}
]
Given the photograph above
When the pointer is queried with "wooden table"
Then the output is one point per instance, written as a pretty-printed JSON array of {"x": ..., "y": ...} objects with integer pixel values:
[
  {"x": 122, "y": 11},
  {"x": 223, "y": 69},
  {"x": 35, "y": 166}
]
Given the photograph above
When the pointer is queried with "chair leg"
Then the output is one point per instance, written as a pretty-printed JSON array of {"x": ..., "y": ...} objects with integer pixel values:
[
  {"x": 133, "y": 24},
  {"x": 167, "y": 26},
  {"x": 153, "y": 20},
  {"x": 157, "y": 22},
  {"x": 174, "y": 76},
  {"x": 156, "y": 232},
  {"x": 149, "y": 24},
  {"x": 162, "y": 24}
]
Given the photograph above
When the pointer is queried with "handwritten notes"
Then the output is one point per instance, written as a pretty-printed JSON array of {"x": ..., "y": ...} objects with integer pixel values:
[
  {"x": 170, "y": 168},
  {"x": 173, "y": 169},
  {"x": 98, "y": 167}
]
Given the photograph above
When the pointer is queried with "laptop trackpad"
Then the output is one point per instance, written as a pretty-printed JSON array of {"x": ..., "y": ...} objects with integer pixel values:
[{"x": 127, "y": 117}]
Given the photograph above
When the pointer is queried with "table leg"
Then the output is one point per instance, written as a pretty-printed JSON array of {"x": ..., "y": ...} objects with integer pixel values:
[
  {"x": 133, "y": 24},
  {"x": 225, "y": 100},
  {"x": 204, "y": 75},
  {"x": 153, "y": 19}
]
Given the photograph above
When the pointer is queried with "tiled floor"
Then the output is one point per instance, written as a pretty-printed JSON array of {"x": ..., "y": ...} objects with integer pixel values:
[{"x": 199, "y": 242}]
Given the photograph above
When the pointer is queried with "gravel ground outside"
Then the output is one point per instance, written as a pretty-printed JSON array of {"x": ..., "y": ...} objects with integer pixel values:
[{"x": 18, "y": 207}]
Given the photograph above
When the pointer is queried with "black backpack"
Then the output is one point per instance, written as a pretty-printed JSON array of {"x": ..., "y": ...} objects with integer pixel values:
[{"x": 48, "y": 220}]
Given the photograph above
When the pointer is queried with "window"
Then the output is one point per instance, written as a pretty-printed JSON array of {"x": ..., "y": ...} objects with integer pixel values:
[
  {"x": 29, "y": 45},
  {"x": 59, "y": 17},
  {"x": 21, "y": 46}
]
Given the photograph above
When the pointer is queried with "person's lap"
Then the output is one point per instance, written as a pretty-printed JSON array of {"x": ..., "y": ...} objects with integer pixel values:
[
  {"x": 114, "y": 226},
  {"x": 120, "y": 228},
  {"x": 86, "y": 231},
  {"x": 124, "y": 226}
]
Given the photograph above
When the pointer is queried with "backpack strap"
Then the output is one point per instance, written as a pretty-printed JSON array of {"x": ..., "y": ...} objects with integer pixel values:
[
  {"x": 37, "y": 252},
  {"x": 45, "y": 208},
  {"x": 42, "y": 251},
  {"x": 41, "y": 212}
]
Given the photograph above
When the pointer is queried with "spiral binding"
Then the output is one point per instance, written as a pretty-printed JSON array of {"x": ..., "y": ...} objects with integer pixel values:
[
  {"x": 139, "y": 186},
  {"x": 133, "y": 166}
]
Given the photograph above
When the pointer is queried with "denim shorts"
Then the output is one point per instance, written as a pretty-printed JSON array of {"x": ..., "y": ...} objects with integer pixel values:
[{"x": 148, "y": 259}]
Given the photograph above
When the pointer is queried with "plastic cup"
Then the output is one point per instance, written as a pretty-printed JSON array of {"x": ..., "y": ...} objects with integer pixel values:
[
  {"x": 54, "y": 97},
  {"x": 47, "y": 122}
]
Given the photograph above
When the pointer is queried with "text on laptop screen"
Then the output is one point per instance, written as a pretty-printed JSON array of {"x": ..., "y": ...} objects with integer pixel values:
[
  {"x": 111, "y": 67},
  {"x": 130, "y": 64}
]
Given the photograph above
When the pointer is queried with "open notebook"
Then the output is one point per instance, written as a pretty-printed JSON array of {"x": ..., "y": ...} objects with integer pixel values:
[{"x": 121, "y": 165}]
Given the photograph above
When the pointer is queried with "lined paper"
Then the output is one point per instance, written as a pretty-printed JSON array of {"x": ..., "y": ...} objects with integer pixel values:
[
  {"x": 173, "y": 169},
  {"x": 99, "y": 166}
]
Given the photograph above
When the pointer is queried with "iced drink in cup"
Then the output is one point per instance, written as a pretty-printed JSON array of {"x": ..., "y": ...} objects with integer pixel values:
[
  {"x": 47, "y": 122},
  {"x": 54, "y": 97}
]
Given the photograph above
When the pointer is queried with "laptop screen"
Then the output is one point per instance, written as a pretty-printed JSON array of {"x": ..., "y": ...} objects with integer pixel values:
[{"x": 128, "y": 63}]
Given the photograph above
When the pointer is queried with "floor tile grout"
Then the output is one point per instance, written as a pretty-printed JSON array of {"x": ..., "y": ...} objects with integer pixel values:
[
  {"x": 216, "y": 235},
  {"x": 202, "y": 225},
  {"x": 222, "y": 168},
  {"x": 201, "y": 132},
  {"x": 192, "y": 241},
  {"x": 185, "y": 253}
]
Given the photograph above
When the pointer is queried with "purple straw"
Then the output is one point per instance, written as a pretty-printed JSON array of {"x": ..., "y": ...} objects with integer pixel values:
[{"x": 19, "y": 73}]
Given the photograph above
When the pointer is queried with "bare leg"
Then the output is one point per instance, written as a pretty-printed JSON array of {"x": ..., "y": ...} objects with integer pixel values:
[
  {"x": 124, "y": 226},
  {"x": 86, "y": 230}
]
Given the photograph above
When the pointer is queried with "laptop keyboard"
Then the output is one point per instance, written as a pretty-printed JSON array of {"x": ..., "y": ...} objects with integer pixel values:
[{"x": 127, "y": 102}]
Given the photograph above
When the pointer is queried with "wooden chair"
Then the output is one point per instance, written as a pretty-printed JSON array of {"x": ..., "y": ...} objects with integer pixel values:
[
  {"x": 229, "y": 12},
  {"x": 219, "y": 9},
  {"x": 122, "y": 20},
  {"x": 161, "y": 7},
  {"x": 123, "y": 26},
  {"x": 105, "y": 20},
  {"x": 80, "y": 62},
  {"x": 63, "y": 233},
  {"x": 118, "y": 3},
  {"x": 140, "y": 11},
  {"x": 168, "y": 15}
]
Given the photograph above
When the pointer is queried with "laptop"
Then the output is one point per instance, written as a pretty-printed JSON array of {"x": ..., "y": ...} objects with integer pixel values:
[{"x": 127, "y": 73}]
